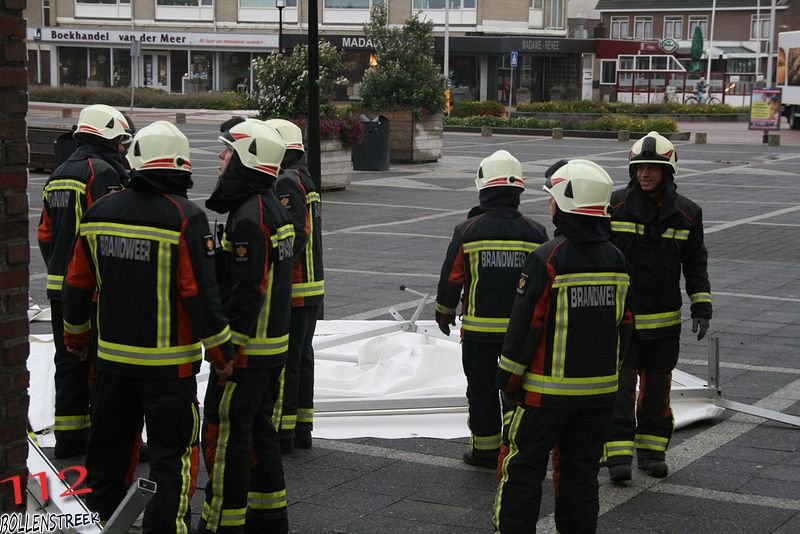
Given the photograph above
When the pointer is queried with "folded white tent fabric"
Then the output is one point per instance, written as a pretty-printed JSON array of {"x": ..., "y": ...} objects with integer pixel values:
[{"x": 389, "y": 385}]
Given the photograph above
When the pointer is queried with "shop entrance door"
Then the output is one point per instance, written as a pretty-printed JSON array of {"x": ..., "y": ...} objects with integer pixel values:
[{"x": 155, "y": 70}]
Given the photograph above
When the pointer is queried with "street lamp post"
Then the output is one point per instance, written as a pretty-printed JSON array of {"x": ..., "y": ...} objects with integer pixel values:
[{"x": 280, "y": 4}]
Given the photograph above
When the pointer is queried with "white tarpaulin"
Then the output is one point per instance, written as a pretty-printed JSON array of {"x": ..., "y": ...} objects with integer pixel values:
[{"x": 392, "y": 385}]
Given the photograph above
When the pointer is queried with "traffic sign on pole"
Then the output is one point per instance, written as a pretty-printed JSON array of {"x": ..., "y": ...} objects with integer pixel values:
[{"x": 514, "y": 56}]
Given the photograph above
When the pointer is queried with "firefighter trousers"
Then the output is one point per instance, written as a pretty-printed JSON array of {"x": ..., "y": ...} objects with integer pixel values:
[
  {"x": 297, "y": 397},
  {"x": 169, "y": 408},
  {"x": 644, "y": 423},
  {"x": 72, "y": 386},
  {"x": 479, "y": 361},
  {"x": 576, "y": 437},
  {"x": 240, "y": 444}
]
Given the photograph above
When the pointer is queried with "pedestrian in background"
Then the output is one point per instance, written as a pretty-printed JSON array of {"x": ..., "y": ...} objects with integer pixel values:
[
  {"x": 560, "y": 356},
  {"x": 484, "y": 259}
]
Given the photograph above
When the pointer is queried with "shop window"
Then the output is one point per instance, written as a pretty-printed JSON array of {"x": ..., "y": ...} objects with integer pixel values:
[
  {"x": 673, "y": 28},
  {"x": 201, "y": 74},
  {"x": 643, "y": 28},
  {"x": 700, "y": 21},
  {"x": 72, "y": 65},
  {"x": 99, "y": 67},
  {"x": 122, "y": 67},
  {"x": 234, "y": 71},
  {"x": 619, "y": 27}
]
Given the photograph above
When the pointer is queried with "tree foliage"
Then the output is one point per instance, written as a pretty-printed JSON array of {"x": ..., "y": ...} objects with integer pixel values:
[
  {"x": 406, "y": 76},
  {"x": 281, "y": 82}
]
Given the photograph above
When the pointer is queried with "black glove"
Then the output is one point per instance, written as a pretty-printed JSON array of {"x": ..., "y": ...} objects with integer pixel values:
[
  {"x": 700, "y": 325},
  {"x": 444, "y": 322}
]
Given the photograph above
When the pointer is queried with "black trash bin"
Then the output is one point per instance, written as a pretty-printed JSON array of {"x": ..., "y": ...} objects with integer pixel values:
[
  {"x": 64, "y": 146},
  {"x": 373, "y": 153}
]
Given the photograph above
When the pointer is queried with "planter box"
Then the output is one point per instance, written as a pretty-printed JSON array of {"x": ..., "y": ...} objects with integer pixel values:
[
  {"x": 414, "y": 140},
  {"x": 335, "y": 162}
]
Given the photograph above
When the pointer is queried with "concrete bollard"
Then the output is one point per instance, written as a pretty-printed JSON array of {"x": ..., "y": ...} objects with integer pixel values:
[
  {"x": 623, "y": 136},
  {"x": 700, "y": 138},
  {"x": 774, "y": 139},
  {"x": 66, "y": 113},
  {"x": 558, "y": 133},
  {"x": 486, "y": 131},
  {"x": 180, "y": 118}
]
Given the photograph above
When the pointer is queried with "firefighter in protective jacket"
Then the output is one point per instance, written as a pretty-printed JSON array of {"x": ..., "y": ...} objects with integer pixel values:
[
  {"x": 93, "y": 170},
  {"x": 661, "y": 233},
  {"x": 246, "y": 490},
  {"x": 299, "y": 195},
  {"x": 148, "y": 254},
  {"x": 560, "y": 356},
  {"x": 484, "y": 258}
]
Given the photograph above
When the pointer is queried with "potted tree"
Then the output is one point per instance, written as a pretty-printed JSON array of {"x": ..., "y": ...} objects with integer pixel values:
[
  {"x": 406, "y": 86},
  {"x": 281, "y": 91}
]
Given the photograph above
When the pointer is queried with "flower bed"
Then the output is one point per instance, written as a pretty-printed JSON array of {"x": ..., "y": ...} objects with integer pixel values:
[{"x": 144, "y": 97}]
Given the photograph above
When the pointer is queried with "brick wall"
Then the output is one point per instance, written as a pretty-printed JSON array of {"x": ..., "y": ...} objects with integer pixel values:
[{"x": 14, "y": 249}]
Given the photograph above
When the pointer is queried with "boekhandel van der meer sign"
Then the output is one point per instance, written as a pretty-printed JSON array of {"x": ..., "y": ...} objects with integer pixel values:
[{"x": 152, "y": 38}]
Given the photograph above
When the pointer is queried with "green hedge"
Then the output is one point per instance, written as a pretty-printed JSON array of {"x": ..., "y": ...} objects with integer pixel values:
[
  {"x": 587, "y": 106},
  {"x": 472, "y": 108},
  {"x": 143, "y": 97},
  {"x": 605, "y": 123}
]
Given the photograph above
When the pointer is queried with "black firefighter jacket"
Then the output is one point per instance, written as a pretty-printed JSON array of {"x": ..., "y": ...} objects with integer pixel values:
[
  {"x": 484, "y": 258},
  {"x": 149, "y": 256},
  {"x": 659, "y": 240},
  {"x": 571, "y": 320},
  {"x": 298, "y": 194},
  {"x": 256, "y": 279},
  {"x": 88, "y": 174}
]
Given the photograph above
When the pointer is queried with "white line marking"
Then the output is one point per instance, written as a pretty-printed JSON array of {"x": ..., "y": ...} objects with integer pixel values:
[
  {"x": 748, "y": 220},
  {"x": 726, "y": 496},
  {"x": 744, "y": 367},
  {"x": 760, "y": 297}
]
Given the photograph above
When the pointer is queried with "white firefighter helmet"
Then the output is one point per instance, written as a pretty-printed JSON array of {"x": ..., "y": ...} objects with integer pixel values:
[
  {"x": 160, "y": 145},
  {"x": 259, "y": 147},
  {"x": 654, "y": 148},
  {"x": 499, "y": 169},
  {"x": 103, "y": 121},
  {"x": 581, "y": 187},
  {"x": 290, "y": 132}
]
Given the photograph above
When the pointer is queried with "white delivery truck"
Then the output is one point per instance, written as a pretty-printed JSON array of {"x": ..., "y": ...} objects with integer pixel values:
[{"x": 788, "y": 76}]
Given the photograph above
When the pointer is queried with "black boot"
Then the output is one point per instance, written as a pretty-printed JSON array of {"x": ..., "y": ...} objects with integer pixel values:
[
  {"x": 302, "y": 439},
  {"x": 619, "y": 468},
  {"x": 486, "y": 459}
]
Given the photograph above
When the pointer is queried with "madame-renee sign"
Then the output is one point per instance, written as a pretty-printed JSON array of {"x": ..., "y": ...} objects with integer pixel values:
[{"x": 110, "y": 37}]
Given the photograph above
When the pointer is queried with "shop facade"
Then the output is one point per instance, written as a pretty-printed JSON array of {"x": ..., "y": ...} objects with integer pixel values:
[{"x": 173, "y": 61}]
